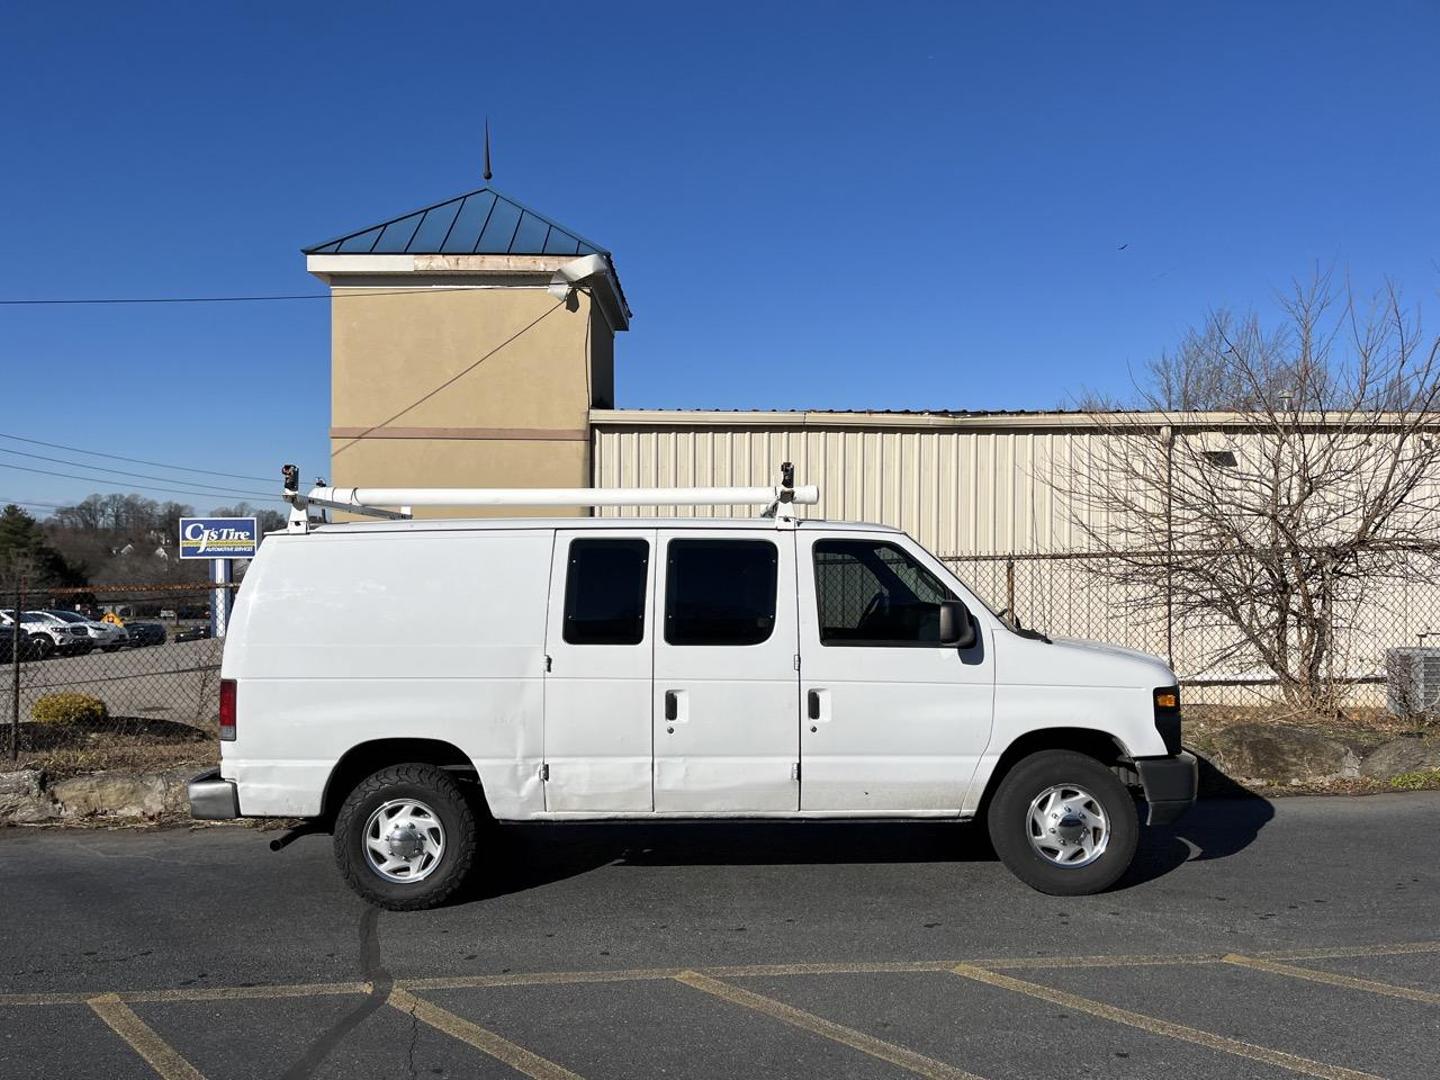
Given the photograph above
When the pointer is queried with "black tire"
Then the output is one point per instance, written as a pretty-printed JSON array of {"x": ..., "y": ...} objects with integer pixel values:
[
  {"x": 1009, "y": 822},
  {"x": 437, "y": 790},
  {"x": 41, "y": 646}
]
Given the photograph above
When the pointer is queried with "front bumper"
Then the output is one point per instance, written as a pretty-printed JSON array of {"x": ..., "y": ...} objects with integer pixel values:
[
  {"x": 1170, "y": 784},
  {"x": 213, "y": 799}
]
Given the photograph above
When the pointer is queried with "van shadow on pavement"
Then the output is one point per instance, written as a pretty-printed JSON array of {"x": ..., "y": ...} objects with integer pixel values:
[
  {"x": 539, "y": 854},
  {"x": 1225, "y": 821}
]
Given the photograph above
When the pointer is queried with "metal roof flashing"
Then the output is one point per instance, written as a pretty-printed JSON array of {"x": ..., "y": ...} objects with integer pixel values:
[
  {"x": 484, "y": 233},
  {"x": 485, "y": 221}
]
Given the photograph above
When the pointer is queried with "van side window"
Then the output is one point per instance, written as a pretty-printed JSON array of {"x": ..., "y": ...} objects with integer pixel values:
[
  {"x": 720, "y": 592},
  {"x": 605, "y": 591},
  {"x": 870, "y": 592}
]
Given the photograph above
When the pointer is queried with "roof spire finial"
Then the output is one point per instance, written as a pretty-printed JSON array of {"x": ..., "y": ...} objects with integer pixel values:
[{"x": 487, "y": 174}]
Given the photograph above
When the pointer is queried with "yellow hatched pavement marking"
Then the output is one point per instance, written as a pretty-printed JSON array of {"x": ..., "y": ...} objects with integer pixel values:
[
  {"x": 456, "y": 982},
  {"x": 857, "y": 1040},
  {"x": 1156, "y": 1026},
  {"x": 1330, "y": 978},
  {"x": 498, "y": 1047},
  {"x": 1342, "y": 952},
  {"x": 160, "y": 1056}
]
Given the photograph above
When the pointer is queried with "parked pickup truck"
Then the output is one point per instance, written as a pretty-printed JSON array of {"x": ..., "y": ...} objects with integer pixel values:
[{"x": 667, "y": 669}]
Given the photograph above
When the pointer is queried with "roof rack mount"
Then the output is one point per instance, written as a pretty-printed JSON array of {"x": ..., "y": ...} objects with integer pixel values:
[{"x": 398, "y": 503}]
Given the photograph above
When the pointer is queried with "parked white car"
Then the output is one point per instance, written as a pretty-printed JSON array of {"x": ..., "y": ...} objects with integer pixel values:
[
  {"x": 103, "y": 635},
  {"x": 47, "y": 635},
  {"x": 599, "y": 669}
]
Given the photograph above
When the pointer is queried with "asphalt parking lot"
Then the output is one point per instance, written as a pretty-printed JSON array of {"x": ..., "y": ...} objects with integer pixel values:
[{"x": 1255, "y": 939}]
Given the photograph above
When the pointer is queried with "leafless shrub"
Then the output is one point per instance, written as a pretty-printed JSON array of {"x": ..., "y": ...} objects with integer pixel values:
[{"x": 1269, "y": 481}]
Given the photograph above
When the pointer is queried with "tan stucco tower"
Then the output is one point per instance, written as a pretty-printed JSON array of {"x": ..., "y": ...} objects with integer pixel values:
[{"x": 469, "y": 342}]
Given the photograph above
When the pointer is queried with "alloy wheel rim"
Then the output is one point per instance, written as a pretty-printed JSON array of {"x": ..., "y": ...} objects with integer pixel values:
[
  {"x": 1067, "y": 826},
  {"x": 404, "y": 841}
]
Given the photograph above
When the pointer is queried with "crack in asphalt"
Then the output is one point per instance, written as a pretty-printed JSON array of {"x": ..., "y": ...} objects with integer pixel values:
[
  {"x": 380, "y": 982},
  {"x": 414, "y": 1041}
]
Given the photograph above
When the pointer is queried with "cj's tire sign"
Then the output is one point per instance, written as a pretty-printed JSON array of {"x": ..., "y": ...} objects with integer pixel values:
[{"x": 218, "y": 538}]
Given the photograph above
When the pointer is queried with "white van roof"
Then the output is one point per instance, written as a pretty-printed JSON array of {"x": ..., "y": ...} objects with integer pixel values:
[{"x": 496, "y": 524}]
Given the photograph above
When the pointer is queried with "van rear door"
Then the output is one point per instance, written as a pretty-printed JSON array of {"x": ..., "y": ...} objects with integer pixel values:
[{"x": 599, "y": 638}]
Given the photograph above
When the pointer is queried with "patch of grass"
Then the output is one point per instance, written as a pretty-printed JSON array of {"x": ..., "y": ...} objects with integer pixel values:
[
  {"x": 127, "y": 744},
  {"x": 1416, "y": 781}
]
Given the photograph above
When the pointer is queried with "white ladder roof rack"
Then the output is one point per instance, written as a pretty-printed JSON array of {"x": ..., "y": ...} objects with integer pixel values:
[{"x": 398, "y": 503}]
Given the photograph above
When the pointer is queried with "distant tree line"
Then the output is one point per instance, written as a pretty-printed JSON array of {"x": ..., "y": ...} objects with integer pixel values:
[{"x": 106, "y": 539}]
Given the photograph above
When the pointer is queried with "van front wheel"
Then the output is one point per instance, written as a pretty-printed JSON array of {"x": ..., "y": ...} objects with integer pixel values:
[
  {"x": 1064, "y": 824},
  {"x": 405, "y": 837}
]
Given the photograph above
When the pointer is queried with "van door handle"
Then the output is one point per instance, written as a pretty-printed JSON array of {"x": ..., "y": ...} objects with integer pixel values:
[
  {"x": 672, "y": 705},
  {"x": 817, "y": 707}
]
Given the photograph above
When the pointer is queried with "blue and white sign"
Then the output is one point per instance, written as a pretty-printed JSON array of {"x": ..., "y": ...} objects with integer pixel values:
[{"x": 218, "y": 538}]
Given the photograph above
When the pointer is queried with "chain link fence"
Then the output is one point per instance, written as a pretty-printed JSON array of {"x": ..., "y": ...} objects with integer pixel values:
[
  {"x": 1384, "y": 653},
  {"x": 109, "y": 677},
  {"x": 127, "y": 676}
]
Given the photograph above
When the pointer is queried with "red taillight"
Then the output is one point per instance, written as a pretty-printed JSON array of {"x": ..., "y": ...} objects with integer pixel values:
[{"x": 227, "y": 710}]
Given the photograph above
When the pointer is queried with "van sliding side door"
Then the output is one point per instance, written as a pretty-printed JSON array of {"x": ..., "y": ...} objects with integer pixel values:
[
  {"x": 599, "y": 638},
  {"x": 726, "y": 705}
]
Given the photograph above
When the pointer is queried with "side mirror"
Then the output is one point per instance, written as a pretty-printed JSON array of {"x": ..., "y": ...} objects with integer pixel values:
[{"x": 957, "y": 629}]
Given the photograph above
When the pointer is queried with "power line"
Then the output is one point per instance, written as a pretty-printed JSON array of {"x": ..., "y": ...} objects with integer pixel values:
[
  {"x": 114, "y": 483},
  {"x": 133, "y": 460},
  {"x": 54, "y": 302},
  {"x": 123, "y": 472},
  {"x": 100, "y": 301}
]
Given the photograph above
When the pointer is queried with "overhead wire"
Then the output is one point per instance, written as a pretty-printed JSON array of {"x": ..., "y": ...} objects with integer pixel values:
[
  {"x": 259, "y": 298},
  {"x": 143, "y": 487},
  {"x": 133, "y": 460},
  {"x": 124, "y": 472}
]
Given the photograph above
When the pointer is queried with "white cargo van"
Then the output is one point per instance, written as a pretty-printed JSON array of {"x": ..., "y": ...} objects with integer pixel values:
[{"x": 404, "y": 682}]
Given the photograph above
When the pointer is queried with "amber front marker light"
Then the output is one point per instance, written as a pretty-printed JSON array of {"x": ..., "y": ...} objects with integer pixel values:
[{"x": 1167, "y": 699}]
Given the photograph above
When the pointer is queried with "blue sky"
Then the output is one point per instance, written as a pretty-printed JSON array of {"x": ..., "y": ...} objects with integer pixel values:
[{"x": 829, "y": 205}]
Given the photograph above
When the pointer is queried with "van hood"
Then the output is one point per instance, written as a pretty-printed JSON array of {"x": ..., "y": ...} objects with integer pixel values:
[{"x": 1118, "y": 666}]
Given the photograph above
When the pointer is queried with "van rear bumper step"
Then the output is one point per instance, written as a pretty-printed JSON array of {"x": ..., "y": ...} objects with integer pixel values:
[
  {"x": 213, "y": 799},
  {"x": 1170, "y": 784}
]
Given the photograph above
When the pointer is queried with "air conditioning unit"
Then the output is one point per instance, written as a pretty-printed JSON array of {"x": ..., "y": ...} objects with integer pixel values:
[{"x": 1412, "y": 680}]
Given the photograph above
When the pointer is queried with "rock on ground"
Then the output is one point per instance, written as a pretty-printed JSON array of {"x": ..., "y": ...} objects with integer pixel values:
[
  {"x": 1401, "y": 756},
  {"x": 26, "y": 798},
  {"x": 1281, "y": 754}
]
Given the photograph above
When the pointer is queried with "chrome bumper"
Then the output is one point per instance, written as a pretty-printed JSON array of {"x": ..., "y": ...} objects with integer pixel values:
[{"x": 213, "y": 799}]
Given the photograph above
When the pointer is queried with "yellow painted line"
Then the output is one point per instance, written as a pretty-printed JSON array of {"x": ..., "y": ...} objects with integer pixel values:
[
  {"x": 159, "y": 1054},
  {"x": 1156, "y": 1026},
  {"x": 1053, "y": 962},
  {"x": 243, "y": 993},
  {"x": 45, "y": 999},
  {"x": 537, "y": 978},
  {"x": 562, "y": 978},
  {"x": 899, "y": 967},
  {"x": 1330, "y": 978},
  {"x": 498, "y": 1047},
  {"x": 1344, "y": 952},
  {"x": 857, "y": 1040}
]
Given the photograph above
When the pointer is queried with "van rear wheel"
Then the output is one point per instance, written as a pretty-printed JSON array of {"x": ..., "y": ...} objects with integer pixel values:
[
  {"x": 1064, "y": 824},
  {"x": 405, "y": 837}
]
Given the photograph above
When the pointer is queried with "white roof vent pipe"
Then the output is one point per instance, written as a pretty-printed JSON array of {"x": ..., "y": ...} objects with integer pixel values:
[{"x": 563, "y": 283}]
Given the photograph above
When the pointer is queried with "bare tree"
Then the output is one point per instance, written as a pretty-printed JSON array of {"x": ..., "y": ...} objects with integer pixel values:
[{"x": 1267, "y": 481}]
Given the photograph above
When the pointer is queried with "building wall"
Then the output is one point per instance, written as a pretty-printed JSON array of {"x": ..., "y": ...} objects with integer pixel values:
[
  {"x": 958, "y": 489},
  {"x": 976, "y": 490},
  {"x": 400, "y": 351}
]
